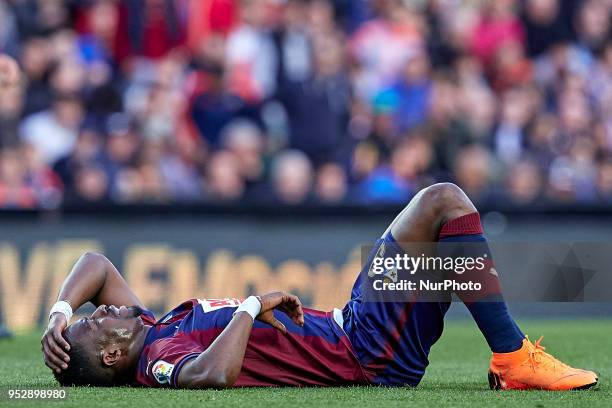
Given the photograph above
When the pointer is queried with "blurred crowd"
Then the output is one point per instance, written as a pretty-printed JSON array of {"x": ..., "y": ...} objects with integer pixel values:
[{"x": 305, "y": 101}]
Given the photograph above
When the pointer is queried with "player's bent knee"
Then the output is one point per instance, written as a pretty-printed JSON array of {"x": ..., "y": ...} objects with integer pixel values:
[
  {"x": 441, "y": 194},
  {"x": 447, "y": 200}
]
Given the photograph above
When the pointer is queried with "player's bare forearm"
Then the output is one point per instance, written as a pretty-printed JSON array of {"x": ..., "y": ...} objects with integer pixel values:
[
  {"x": 220, "y": 365},
  {"x": 94, "y": 278}
]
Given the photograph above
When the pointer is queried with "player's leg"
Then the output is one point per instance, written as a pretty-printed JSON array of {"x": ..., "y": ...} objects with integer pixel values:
[
  {"x": 445, "y": 214},
  {"x": 393, "y": 339},
  {"x": 455, "y": 224},
  {"x": 445, "y": 209}
]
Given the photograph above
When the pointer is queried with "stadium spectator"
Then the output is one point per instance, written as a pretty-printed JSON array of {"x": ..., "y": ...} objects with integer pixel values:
[
  {"x": 473, "y": 169},
  {"x": 324, "y": 95},
  {"x": 524, "y": 183},
  {"x": 179, "y": 169},
  {"x": 9, "y": 37},
  {"x": 48, "y": 187},
  {"x": 410, "y": 95},
  {"x": 91, "y": 185},
  {"x": 331, "y": 184},
  {"x": 604, "y": 180},
  {"x": 245, "y": 141},
  {"x": 546, "y": 23},
  {"x": 87, "y": 149},
  {"x": 251, "y": 55},
  {"x": 35, "y": 61},
  {"x": 171, "y": 101},
  {"x": 148, "y": 29},
  {"x": 382, "y": 45},
  {"x": 216, "y": 106},
  {"x": 54, "y": 132},
  {"x": 14, "y": 190},
  {"x": 593, "y": 25},
  {"x": 292, "y": 177},
  {"x": 224, "y": 181},
  {"x": 509, "y": 137},
  {"x": 498, "y": 25},
  {"x": 11, "y": 104}
]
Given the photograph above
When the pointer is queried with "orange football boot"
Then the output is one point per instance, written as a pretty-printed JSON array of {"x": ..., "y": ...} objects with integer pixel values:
[{"x": 531, "y": 368}]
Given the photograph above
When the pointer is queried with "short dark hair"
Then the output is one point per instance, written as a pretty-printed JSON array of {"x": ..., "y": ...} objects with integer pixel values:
[{"x": 82, "y": 369}]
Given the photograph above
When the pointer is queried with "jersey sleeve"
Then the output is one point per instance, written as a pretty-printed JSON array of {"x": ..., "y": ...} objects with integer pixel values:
[{"x": 165, "y": 358}]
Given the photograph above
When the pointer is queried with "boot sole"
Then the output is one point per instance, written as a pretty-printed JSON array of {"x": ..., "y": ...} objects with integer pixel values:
[{"x": 495, "y": 383}]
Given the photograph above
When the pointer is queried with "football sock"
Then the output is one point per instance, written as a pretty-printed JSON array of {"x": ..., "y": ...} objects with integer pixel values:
[{"x": 489, "y": 309}]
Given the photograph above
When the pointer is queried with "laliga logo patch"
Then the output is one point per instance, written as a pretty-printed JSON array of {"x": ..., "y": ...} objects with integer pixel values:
[
  {"x": 391, "y": 275},
  {"x": 162, "y": 371}
]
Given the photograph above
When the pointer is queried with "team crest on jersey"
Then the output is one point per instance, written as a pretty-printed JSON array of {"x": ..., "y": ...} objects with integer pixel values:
[
  {"x": 162, "y": 371},
  {"x": 379, "y": 254}
]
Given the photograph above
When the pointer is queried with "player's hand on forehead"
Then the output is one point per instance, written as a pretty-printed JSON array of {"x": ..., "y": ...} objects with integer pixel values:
[{"x": 55, "y": 348}]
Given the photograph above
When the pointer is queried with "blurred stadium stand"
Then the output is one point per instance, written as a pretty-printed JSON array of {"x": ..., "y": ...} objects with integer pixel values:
[{"x": 261, "y": 103}]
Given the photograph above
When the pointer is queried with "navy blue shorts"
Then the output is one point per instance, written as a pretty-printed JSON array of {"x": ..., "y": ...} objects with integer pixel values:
[{"x": 391, "y": 339}]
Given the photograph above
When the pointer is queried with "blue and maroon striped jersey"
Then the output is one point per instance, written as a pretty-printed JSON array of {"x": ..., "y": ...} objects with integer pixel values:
[{"x": 319, "y": 353}]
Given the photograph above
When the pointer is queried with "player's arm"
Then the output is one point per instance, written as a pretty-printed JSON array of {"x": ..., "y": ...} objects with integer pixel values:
[
  {"x": 220, "y": 364},
  {"x": 95, "y": 279},
  {"x": 92, "y": 279}
]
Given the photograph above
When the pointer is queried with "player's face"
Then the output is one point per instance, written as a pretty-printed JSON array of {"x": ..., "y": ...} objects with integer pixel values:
[{"x": 109, "y": 324}]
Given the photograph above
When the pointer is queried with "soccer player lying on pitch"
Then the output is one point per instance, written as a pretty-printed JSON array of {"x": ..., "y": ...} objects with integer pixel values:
[{"x": 271, "y": 340}]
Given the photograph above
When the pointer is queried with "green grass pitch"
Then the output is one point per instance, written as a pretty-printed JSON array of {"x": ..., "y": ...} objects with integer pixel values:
[{"x": 456, "y": 377}]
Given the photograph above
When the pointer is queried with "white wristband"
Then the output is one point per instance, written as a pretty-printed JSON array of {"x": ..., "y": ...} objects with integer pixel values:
[
  {"x": 251, "y": 305},
  {"x": 62, "y": 307}
]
